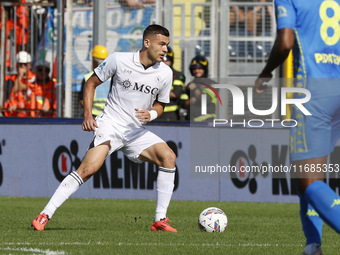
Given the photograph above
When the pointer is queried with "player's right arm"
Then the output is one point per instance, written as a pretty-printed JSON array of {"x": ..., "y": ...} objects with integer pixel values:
[
  {"x": 103, "y": 72},
  {"x": 89, "y": 124},
  {"x": 286, "y": 23}
]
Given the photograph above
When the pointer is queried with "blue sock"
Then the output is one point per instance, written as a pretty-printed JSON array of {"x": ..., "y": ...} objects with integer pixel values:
[
  {"x": 311, "y": 222},
  {"x": 326, "y": 202}
]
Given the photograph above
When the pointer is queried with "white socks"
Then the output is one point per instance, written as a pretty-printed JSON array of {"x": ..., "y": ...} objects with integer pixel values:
[
  {"x": 67, "y": 187},
  {"x": 72, "y": 182},
  {"x": 165, "y": 187}
]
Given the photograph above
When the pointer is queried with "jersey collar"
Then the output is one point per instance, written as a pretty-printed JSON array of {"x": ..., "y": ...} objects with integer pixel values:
[
  {"x": 137, "y": 62},
  {"x": 136, "y": 59}
]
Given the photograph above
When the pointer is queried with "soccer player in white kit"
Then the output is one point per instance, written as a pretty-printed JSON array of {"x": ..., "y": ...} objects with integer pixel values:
[{"x": 140, "y": 88}]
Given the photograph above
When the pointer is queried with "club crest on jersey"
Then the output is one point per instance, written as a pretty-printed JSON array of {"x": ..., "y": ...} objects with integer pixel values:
[
  {"x": 126, "y": 84},
  {"x": 158, "y": 79}
]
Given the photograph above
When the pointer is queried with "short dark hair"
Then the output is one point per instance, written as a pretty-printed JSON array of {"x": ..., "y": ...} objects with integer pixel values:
[{"x": 155, "y": 29}]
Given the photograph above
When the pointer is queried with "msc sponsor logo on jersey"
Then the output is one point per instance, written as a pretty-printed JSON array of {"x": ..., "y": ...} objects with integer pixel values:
[
  {"x": 126, "y": 84},
  {"x": 146, "y": 89}
]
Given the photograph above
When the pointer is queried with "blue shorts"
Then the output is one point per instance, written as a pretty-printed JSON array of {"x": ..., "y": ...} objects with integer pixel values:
[{"x": 315, "y": 135}]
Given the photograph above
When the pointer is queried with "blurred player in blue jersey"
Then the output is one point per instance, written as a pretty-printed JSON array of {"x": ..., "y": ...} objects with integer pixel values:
[{"x": 312, "y": 29}]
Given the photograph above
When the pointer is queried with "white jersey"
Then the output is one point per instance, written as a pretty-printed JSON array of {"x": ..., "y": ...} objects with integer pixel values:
[{"x": 133, "y": 86}]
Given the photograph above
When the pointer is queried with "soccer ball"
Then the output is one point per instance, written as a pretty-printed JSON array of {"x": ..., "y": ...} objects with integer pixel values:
[{"x": 212, "y": 219}]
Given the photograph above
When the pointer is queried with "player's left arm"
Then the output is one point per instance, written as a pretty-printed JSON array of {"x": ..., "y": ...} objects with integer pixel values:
[
  {"x": 147, "y": 116},
  {"x": 158, "y": 107}
]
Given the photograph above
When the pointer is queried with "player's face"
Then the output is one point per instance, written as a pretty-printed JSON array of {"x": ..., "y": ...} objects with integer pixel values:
[{"x": 157, "y": 47}]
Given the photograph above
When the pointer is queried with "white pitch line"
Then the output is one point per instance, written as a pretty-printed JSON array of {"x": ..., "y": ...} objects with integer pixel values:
[
  {"x": 161, "y": 244},
  {"x": 60, "y": 243},
  {"x": 211, "y": 244},
  {"x": 33, "y": 250}
]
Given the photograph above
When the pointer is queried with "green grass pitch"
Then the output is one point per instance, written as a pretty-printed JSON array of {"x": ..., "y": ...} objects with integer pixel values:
[{"x": 97, "y": 226}]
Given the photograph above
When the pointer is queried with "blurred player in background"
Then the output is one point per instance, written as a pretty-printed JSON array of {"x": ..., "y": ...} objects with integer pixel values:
[
  {"x": 141, "y": 85},
  {"x": 171, "y": 110},
  {"x": 311, "y": 28}
]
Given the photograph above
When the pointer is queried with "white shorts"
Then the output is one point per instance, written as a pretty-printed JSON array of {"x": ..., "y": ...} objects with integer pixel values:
[{"x": 130, "y": 141}]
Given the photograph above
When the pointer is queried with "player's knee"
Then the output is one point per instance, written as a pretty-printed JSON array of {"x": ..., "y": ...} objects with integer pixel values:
[
  {"x": 86, "y": 171},
  {"x": 304, "y": 183},
  {"x": 169, "y": 159}
]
